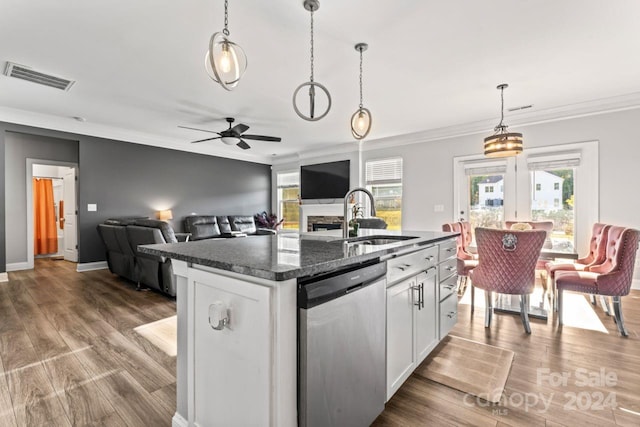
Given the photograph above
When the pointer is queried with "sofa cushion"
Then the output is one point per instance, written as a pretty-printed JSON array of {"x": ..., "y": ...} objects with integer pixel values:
[
  {"x": 201, "y": 226},
  {"x": 165, "y": 228},
  {"x": 243, "y": 223},
  {"x": 224, "y": 225},
  {"x": 124, "y": 220}
]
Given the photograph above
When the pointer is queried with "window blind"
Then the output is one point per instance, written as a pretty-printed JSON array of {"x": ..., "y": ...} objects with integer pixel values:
[
  {"x": 485, "y": 168},
  {"x": 288, "y": 179},
  {"x": 384, "y": 171},
  {"x": 564, "y": 160}
]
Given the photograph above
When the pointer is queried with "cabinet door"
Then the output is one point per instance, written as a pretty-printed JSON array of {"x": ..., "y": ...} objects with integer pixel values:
[
  {"x": 232, "y": 366},
  {"x": 426, "y": 314},
  {"x": 400, "y": 354}
]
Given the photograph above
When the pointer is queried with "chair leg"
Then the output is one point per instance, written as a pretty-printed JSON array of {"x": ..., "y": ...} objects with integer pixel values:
[
  {"x": 592, "y": 298},
  {"x": 559, "y": 304},
  {"x": 524, "y": 312},
  {"x": 617, "y": 309},
  {"x": 555, "y": 295},
  {"x": 488, "y": 311},
  {"x": 473, "y": 297},
  {"x": 462, "y": 287},
  {"x": 604, "y": 301}
]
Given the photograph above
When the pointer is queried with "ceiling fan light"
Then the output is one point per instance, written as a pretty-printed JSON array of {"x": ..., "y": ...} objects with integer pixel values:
[
  {"x": 361, "y": 123},
  {"x": 225, "y": 61},
  {"x": 230, "y": 140}
]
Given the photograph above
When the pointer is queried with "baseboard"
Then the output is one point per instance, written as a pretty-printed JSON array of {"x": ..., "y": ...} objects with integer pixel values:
[
  {"x": 16, "y": 266},
  {"x": 178, "y": 421},
  {"x": 4, "y": 277},
  {"x": 88, "y": 266},
  {"x": 635, "y": 284}
]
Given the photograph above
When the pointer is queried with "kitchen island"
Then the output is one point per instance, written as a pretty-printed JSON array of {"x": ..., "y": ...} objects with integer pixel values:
[{"x": 237, "y": 315}]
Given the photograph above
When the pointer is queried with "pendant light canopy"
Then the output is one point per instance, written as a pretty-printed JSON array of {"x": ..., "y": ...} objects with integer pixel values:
[
  {"x": 311, "y": 85},
  {"x": 225, "y": 61},
  {"x": 361, "y": 119},
  {"x": 502, "y": 143}
]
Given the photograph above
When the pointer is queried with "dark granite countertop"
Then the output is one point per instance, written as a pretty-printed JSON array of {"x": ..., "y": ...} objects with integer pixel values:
[{"x": 290, "y": 255}]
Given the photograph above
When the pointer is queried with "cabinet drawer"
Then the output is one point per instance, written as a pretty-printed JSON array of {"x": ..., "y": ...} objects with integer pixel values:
[
  {"x": 411, "y": 264},
  {"x": 448, "y": 315},
  {"x": 448, "y": 286},
  {"x": 448, "y": 249},
  {"x": 448, "y": 268}
]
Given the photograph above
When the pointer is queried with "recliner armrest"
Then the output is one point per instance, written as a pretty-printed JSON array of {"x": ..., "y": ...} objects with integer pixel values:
[{"x": 265, "y": 232}]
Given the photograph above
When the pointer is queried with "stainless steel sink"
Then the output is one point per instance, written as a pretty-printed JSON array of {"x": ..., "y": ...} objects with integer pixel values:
[{"x": 377, "y": 240}]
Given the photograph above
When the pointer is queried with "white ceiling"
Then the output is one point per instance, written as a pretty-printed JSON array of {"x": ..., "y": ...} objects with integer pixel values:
[{"x": 139, "y": 65}]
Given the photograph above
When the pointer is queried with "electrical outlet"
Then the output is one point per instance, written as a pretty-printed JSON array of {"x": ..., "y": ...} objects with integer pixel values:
[{"x": 92, "y": 207}]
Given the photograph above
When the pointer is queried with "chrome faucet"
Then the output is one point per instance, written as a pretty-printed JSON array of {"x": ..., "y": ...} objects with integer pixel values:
[{"x": 345, "y": 222}]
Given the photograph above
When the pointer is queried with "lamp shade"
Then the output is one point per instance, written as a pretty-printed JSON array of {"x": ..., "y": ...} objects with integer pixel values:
[
  {"x": 361, "y": 123},
  {"x": 503, "y": 145},
  {"x": 165, "y": 215}
]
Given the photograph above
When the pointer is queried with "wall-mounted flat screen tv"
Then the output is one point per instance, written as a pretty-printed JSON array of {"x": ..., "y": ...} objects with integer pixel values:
[{"x": 324, "y": 180}]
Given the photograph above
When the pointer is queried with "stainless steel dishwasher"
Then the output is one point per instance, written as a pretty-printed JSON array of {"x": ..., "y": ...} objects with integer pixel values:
[{"x": 341, "y": 347}]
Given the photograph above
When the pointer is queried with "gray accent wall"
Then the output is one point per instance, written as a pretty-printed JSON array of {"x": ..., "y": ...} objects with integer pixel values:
[
  {"x": 18, "y": 148},
  {"x": 125, "y": 179}
]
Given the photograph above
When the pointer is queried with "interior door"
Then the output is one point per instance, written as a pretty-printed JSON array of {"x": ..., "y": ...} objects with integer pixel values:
[{"x": 70, "y": 216}]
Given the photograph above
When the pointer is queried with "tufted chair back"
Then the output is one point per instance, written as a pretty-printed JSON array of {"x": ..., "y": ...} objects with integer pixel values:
[
  {"x": 466, "y": 234},
  {"x": 616, "y": 273},
  {"x": 457, "y": 227},
  {"x": 547, "y": 226},
  {"x": 507, "y": 266},
  {"x": 597, "y": 245}
]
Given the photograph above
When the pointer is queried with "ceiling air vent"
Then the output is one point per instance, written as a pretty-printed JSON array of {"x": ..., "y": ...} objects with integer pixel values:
[{"x": 29, "y": 74}]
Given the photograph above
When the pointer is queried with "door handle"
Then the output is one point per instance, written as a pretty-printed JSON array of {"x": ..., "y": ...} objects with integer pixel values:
[
  {"x": 417, "y": 288},
  {"x": 422, "y": 294}
]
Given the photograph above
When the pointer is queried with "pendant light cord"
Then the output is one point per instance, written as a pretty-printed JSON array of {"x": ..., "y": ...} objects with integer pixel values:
[
  {"x": 500, "y": 125},
  {"x": 226, "y": 19},
  {"x": 311, "y": 79},
  {"x": 360, "y": 77}
]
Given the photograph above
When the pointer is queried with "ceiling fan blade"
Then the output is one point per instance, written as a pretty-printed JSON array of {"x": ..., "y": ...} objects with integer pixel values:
[
  {"x": 263, "y": 138},
  {"x": 201, "y": 130},
  {"x": 243, "y": 145},
  {"x": 206, "y": 139},
  {"x": 239, "y": 128}
]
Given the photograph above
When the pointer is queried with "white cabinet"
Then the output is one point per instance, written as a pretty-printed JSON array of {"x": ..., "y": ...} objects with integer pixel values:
[
  {"x": 426, "y": 315},
  {"x": 412, "y": 329},
  {"x": 400, "y": 354}
]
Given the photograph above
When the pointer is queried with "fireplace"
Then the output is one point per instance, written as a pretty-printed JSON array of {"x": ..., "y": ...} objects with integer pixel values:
[
  {"x": 319, "y": 226},
  {"x": 323, "y": 222}
]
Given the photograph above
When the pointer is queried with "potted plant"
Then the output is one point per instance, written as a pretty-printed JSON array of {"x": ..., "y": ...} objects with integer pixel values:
[
  {"x": 356, "y": 212},
  {"x": 270, "y": 221}
]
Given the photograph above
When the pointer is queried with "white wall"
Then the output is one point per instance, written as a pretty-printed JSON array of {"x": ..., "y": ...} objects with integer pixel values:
[{"x": 428, "y": 167}]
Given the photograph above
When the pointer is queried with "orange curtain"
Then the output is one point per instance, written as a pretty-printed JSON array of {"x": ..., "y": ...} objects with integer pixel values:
[{"x": 44, "y": 228}]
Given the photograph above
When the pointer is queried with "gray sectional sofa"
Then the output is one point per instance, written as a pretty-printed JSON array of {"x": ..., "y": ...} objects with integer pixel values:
[{"x": 220, "y": 226}]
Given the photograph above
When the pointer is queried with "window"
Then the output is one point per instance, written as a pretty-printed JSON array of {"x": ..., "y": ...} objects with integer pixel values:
[
  {"x": 288, "y": 204},
  {"x": 556, "y": 185},
  {"x": 488, "y": 189},
  {"x": 538, "y": 187},
  {"x": 384, "y": 179}
]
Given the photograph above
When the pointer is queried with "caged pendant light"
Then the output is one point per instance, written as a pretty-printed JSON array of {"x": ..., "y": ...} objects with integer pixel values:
[
  {"x": 225, "y": 61},
  {"x": 311, "y": 6},
  {"x": 361, "y": 119},
  {"x": 502, "y": 143}
]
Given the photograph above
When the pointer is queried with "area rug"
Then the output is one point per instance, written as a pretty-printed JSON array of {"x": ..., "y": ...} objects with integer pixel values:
[
  {"x": 471, "y": 367},
  {"x": 162, "y": 333}
]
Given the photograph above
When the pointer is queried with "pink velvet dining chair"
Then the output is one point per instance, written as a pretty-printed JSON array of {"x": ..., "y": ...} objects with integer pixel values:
[
  {"x": 595, "y": 256},
  {"x": 466, "y": 260},
  {"x": 507, "y": 265},
  {"x": 611, "y": 278}
]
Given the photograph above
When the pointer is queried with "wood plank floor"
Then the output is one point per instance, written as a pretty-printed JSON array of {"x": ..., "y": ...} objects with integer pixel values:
[{"x": 69, "y": 356}]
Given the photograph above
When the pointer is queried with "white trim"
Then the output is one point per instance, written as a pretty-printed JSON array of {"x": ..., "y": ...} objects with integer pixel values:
[
  {"x": 30, "y": 163},
  {"x": 17, "y": 266},
  {"x": 4, "y": 277},
  {"x": 89, "y": 266},
  {"x": 635, "y": 284},
  {"x": 179, "y": 421}
]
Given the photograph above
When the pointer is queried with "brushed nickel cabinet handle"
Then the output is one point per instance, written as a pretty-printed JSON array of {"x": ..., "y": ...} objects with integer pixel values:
[{"x": 219, "y": 316}]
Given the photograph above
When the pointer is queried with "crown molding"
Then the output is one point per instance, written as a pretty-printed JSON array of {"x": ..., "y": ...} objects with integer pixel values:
[
  {"x": 524, "y": 119},
  {"x": 97, "y": 130}
]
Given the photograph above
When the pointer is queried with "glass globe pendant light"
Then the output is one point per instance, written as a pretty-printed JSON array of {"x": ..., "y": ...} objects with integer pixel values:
[
  {"x": 225, "y": 61},
  {"x": 361, "y": 119},
  {"x": 311, "y": 85},
  {"x": 502, "y": 143}
]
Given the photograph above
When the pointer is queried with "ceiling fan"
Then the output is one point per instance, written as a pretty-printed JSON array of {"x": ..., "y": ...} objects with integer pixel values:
[{"x": 235, "y": 135}]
